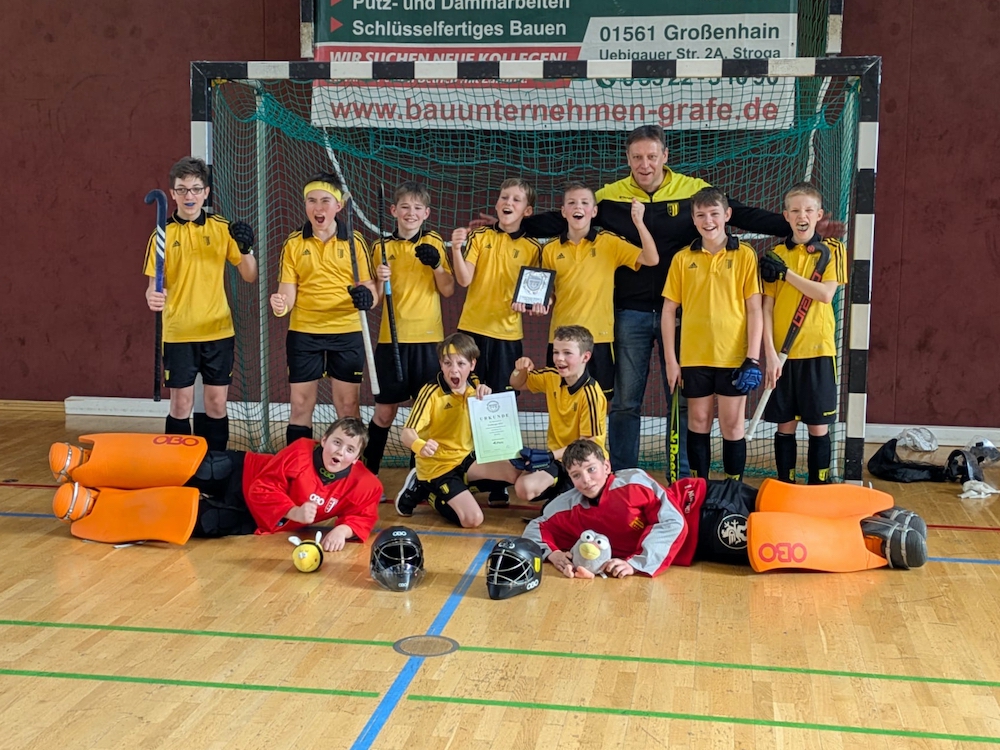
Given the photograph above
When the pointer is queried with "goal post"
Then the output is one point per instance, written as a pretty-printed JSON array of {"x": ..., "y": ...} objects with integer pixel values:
[{"x": 750, "y": 126}]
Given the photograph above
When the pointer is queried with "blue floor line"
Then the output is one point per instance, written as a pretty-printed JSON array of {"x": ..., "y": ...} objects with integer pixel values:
[
  {"x": 973, "y": 560},
  {"x": 399, "y": 686}
]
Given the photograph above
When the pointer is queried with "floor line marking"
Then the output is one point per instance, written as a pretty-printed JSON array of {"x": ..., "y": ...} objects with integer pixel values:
[{"x": 712, "y": 719}]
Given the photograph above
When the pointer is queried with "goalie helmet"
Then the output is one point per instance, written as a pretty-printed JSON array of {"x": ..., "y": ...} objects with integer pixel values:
[
  {"x": 397, "y": 561},
  {"x": 514, "y": 567}
]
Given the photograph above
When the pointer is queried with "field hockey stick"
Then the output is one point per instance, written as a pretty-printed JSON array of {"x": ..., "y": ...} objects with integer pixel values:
[
  {"x": 793, "y": 331},
  {"x": 362, "y": 314},
  {"x": 161, "y": 241},
  {"x": 674, "y": 458},
  {"x": 390, "y": 308}
]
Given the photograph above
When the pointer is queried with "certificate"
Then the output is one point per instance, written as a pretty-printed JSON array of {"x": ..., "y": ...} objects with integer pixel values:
[
  {"x": 534, "y": 286},
  {"x": 496, "y": 432}
]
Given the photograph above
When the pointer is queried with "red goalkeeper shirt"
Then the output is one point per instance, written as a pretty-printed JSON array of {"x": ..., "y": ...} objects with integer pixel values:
[
  {"x": 633, "y": 511},
  {"x": 273, "y": 484}
]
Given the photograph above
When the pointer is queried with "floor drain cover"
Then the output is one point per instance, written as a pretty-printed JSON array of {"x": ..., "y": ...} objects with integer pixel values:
[{"x": 425, "y": 645}]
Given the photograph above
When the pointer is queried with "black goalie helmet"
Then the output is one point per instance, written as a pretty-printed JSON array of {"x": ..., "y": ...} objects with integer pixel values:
[
  {"x": 514, "y": 567},
  {"x": 397, "y": 562}
]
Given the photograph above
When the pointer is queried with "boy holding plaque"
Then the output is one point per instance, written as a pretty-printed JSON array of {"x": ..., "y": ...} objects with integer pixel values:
[
  {"x": 576, "y": 405},
  {"x": 584, "y": 259},
  {"x": 488, "y": 261},
  {"x": 439, "y": 433}
]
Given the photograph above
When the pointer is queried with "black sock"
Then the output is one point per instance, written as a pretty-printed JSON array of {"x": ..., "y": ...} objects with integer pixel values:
[
  {"x": 819, "y": 459},
  {"x": 734, "y": 458},
  {"x": 296, "y": 431},
  {"x": 214, "y": 430},
  {"x": 377, "y": 437},
  {"x": 786, "y": 452},
  {"x": 177, "y": 426},
  {"x": 699, "y": 445}
]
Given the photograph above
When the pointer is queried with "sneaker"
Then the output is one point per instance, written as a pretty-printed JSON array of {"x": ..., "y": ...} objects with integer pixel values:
[
  {"x": 499, "y": 498},
  {"x": 407, "y": 499}
]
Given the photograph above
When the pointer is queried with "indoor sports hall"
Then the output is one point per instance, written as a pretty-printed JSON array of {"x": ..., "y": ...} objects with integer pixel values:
[{"x": 222, "y": 643}]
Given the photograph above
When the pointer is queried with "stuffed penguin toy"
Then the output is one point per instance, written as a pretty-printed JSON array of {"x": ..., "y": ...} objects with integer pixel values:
[{"x": 590, "y": 553}]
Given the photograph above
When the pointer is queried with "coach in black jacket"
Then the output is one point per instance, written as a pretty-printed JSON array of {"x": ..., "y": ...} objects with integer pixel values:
[{"x": 638, "y": 294}]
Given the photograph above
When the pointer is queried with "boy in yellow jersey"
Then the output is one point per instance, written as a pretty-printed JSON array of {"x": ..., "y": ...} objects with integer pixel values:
[
  {"x": 805, "y": 388},
  {"x": 198, "y": 332},
  {"x": 585, "y": 259},
  {"x": 576, "y": 405},
  {"x": 489, "y": 266},
  {"x": 715, "y": 280},
  {"x": 440, "y": 435},
  {"x": 420, "y": 276},
  {"x": 317, "y": 286}
]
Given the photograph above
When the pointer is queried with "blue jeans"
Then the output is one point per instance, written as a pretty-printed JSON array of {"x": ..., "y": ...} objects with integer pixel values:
[{"x": 636, "y": 332}]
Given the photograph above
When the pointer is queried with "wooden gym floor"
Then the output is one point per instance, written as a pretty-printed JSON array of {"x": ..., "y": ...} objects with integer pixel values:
[{"x": 222, "y": 644}]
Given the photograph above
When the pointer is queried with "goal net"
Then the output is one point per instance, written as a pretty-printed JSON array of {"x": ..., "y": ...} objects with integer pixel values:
[{"x": 753, "y": 128}]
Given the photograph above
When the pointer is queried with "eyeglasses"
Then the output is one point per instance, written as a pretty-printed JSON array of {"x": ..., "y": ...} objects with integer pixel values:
[{"x": 190, "y": 191}]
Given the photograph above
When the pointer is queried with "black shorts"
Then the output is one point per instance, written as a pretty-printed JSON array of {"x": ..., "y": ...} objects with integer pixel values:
[
  {"x": 213, "y": 359},
  {"x": 496, "y": 360},
  {"x": 312, "y": 356},
  {"x": 222, "y": 508},
  {"x": 420, "y": 367},
  {"x": 601, "y": 366},
  {"x": 699, "y": 382},
  {"x": 560, "y": 481},
  {"x": 806, "y": 391},
  {"x": 452, "y": 483}
]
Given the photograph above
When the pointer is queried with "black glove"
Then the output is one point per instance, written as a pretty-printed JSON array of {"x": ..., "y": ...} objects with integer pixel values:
[
  {"x": 532, "y": 459},
  {"x": 772, "y": 267},
  {"x": 362, "y": 297},
  {"x": 747, "y": 376},
  {"x": 242, "y": 233},
  {"x": 428, "y": 255}
]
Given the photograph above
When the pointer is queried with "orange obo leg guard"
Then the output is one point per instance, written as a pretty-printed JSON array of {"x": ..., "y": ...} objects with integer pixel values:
[
  {"x": 827, "y": 500},
  {"x": 792, "y": 540},
  {"x": 131, "y": 461},
  {"x": 165, "y": 514}
]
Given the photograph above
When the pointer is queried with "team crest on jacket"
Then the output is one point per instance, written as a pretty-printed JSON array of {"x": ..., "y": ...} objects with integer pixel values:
[
  {"x": 733, "y": 531},
  {"x": 673, "y": 208}
]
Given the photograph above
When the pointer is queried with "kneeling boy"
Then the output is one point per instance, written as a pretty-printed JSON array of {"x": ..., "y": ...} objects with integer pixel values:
[
  {"x": 439, "y": 433},
  {"x": 574, "y": 400}
]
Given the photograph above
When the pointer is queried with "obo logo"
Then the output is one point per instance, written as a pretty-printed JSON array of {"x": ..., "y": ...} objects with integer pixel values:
[
  {"x": 783, "y": 552},
  {"x": 175, "y": 440}
]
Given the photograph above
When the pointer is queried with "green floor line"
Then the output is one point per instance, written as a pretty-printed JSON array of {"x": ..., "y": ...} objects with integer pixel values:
[
  {"x": 726, "y": 665},
  {"x": 208, "y": 633},
  {"x": 710, "y": 719},
  {"x": 520, "y": 652},
  {"x": 187, "y": 683}
]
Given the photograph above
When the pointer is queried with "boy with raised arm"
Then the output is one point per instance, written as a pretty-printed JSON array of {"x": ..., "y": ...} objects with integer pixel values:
[
  {"x": 585, "y": 260},
  {"x": 805, "y": 387},
  {"x": 198, "y": 332},
  {"x": 576, "y": 405},
  {"x": 420, "y": 276},
  {"x": 317, "y": 287},
  {"x": 715, "y": 280},
  {"x": 489, "y": 264}
]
